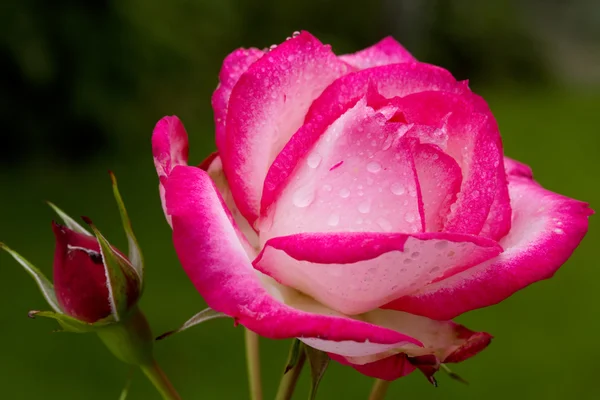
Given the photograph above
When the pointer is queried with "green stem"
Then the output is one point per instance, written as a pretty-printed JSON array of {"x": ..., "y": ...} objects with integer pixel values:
[
  {"x": 160, "y": 381},
  {"x": 380, "y": 388},
  {"x": 289, "y": 378},
  {"x": 253, "y": 364}
]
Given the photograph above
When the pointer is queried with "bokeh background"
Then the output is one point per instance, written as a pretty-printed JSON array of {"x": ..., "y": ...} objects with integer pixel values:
[{"x": 83, "y": 83}]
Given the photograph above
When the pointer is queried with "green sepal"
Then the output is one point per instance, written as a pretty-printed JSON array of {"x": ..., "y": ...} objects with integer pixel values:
[
  {"x": 118, "y": 273},
  {"x": 293, "y": 356},
  {"x": 44, "y": 284},
  {"x": 69, "y": 222},
  {"x": 453, "y": 374},
  {"x": 68, "y": 323},
  {"x": 318, "y": 361},
  {"x": 135, "y": 253},
  {"x": 202, "y": 316}
]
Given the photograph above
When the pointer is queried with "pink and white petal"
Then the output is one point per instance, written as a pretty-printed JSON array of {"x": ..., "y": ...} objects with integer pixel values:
[
  {"x": 389, "y": 368},
  {"x": 516, "y": 168},
  {"x": 211, "y": 252},
  {"x": 439, "y": 179},
  {"x": 358, "y": 177},
  {"x": 472, "y": 138},
  {"x": 169, "y": 149},
  {"x": 343, "y": 94},
  {"x": 267, "y": 105},
  {"x": 215, "y": 171},
  {"x": 497, "y": 225},
  {"x": 357, "y": 272},
  {"x": 387, "y": 51},
  {"x": 546, "y": 229},
  {"x": 234, "y": 65}
]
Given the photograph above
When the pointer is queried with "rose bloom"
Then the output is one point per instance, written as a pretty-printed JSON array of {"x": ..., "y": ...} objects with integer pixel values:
[{"x": 358, "y": 203}]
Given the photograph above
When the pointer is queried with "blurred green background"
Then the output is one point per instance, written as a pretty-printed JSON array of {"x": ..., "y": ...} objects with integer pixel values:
[{"x": 83, "y": 83}]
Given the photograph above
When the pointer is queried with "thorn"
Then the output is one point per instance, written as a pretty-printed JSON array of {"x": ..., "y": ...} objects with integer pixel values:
[
  {"x": 433, "y": 381},
  {"x": 113, "y": 178},
  {"x": 31, "y": 314},
  {"x": 164, "y": 335},
  {"x": 87, "y": 220}
]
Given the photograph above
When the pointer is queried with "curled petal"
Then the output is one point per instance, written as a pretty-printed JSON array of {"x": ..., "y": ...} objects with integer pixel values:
[
  {"x": 546, "y": 229},
  {"x": 212, "y": 253}
]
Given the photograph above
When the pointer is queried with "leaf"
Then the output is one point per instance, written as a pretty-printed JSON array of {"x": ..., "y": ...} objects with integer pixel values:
[
  {"x": 453, "y": 374},
  {"x": 69, "y": 222},
  {"x": 319, "y": 361},
  {"x": 69, "y": 324},
  {"x": 135, "y": 253},
  {"x": 46, "y": 287},
  {"x": 202, "y": 316},
  {"x": 115, "y": 268}
]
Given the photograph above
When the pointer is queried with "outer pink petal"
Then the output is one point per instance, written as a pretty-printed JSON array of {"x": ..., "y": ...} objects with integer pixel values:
[
  {"x": 359, "y": 176},
  {"x": 389, "y": 368},
  {"x": 169, "y": 149},
  {"x": 390, "y": 80},
  {"x": 210, "y": 250},
  {"x": 515, "y": 168},
  {"x": 387, "y": 51},
  {"x": 234, "y": 65},
  {"x": 267, "y": 106},
  {"x": 546, "y": 229},
  {"x": 357, "y": 272}
]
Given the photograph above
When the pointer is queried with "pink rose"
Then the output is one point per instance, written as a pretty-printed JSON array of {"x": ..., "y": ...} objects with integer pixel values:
[{"x": 358, "y": 202}]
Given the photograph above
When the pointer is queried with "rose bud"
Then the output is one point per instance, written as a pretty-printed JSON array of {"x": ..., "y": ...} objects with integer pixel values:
[
  {"x": 96, "y": 289},
  {"x": 80, "y": 279},
  {"x": 359, "y": 203}
]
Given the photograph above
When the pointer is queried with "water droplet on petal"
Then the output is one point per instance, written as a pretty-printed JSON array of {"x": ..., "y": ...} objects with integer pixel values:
[
  {"x": 344, "y": 193},
  {"x": 364, "y": 207},
  {"x": 303, "y": 197},
  {"x": 397, "y": 188},
  {"x": 373, "y": 167},
  {"x": 313, "y": 160},
  {"x": 409, "y": 217},
  {"x": 384, "y": 224},
  {"x": 441, "y": 245},
  {"x": 333, "y": 220}
]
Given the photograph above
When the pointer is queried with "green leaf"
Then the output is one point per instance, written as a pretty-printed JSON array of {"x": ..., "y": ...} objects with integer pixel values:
[
  {"x": 202, "y": 316},
  {"x": 135, "y": 253},
  {"x": 116, "y": 268},
  {"x": 69, "y": 222},
  {"x": 46, "y": 287},
  {"x": 69, "y": 324},
  {"x": 319, "y": 361},
  {"x": 453, "y": 374}
]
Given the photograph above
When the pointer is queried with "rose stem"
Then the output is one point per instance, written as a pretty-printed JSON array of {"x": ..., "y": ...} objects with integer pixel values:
[
  {"x": 253, "y": 364},
  {"x": 379, "y": 389},
  {"x": 290, "y": 377},
  {"x": 160, "y": 381}
]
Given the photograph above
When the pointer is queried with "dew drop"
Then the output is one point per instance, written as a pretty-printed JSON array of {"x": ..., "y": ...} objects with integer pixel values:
[
  {"x": 344, "y": 193},
  {"x": 409, "y": 217},
  {"x": 384, "y": 224},
  {"x": 364, "y": 207},
  {"x": 303, "y": 197},
  {"x": 434, "y": 270},
  {"x": 373, "y": 167},
  {"x": 407, "y": 261},
  {"x": 295, "y": 34},
  {"x": 397, "y": 188},
  {"x": 333, "y": 220},
  {"x": 327, "y": 188},
  {"x": 313, "y": 160},
  {"x": 415, "y": 254},
  {"x": 441, "y": 245}
]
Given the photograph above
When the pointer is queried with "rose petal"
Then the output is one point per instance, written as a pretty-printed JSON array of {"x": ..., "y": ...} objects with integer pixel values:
[
  {"x": 357, "y": 272},
  {"x": 266, "y": 106},
  {"x": 546, "y": 229},
  {"x": 211, "y": 251},
  {"x": 390, "y": 80},
  {"x": 387, "y": 51},
  {"x": 516, "y": 168},
  {"x": 439, "y": 179},
  {"x": 169, "y": 148},
  {"x": 389, "y": 368},
  {"x": 234, "y": 65},
  {"x": 358, "y": 177}
]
